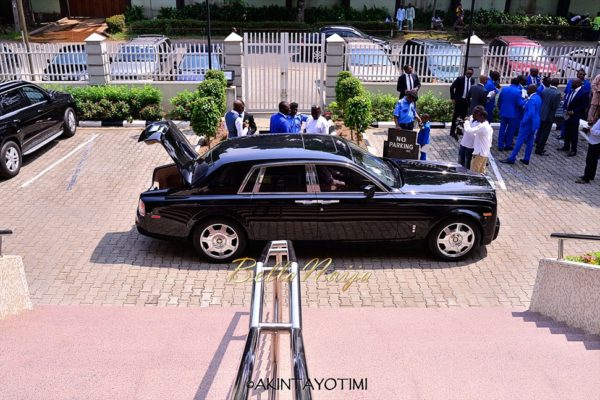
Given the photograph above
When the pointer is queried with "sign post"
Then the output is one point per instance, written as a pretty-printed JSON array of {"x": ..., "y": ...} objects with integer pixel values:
[{"x": 401, "y": 144}]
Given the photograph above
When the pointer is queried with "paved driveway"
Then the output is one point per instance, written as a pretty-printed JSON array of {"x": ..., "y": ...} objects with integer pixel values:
[{"x": 72, "y": 209}]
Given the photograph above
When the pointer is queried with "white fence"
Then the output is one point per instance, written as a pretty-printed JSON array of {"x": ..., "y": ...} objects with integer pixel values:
[
  {"x": 432, "y": 63},
  {"x": 44, "y": 62},
  {"x": 283, "y": 66},
  {"x": 561, "y": 62},
  {"x": 164, "y": 62}
]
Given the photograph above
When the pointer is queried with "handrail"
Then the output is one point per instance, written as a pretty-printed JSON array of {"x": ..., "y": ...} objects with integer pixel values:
[
  {"x": 562, "y": 236},
  {"x": 285, "y": 260},
  {"x": 4, "y": 232}
]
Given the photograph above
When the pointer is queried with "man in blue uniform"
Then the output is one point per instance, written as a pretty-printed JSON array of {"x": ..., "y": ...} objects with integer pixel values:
[
  {"x": 281, "y": 122},
  {"x": 534, "y": 77},
  {"x": 510, "y": 104},
  {"x": 296, "y": 119},
  {"x": 528, "y": 127},
  {"x": 492, "y": 86}
]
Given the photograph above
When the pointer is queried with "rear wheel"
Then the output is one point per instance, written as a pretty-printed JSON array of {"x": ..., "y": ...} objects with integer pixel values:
[
  {"x": 219, "y": 240},
  {"x": 69, "y": 123},
  {"x": 10, "y": 160},
  {"x": 454, "y": 239}
]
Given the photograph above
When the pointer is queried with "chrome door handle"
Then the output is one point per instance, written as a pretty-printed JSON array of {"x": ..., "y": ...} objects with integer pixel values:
[
  {"x": 328, "y": 201},
  {"x": 306, "y": 202}
]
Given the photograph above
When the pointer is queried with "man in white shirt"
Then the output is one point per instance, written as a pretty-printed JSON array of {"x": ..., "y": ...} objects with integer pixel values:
[
  {"x": 465, "y": 152},
  {"x": 410, "y": 16},
  {"x": 482, "y": 142},
  {"x": 234, "y": 120},
  {"x": 593, "y": 153},
  {"x": 316, "y": 123},
  {"x": 400, "y": 15}
]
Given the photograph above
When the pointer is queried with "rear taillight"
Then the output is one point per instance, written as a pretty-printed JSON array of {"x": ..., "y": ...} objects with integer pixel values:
[{"x": 142, "y": 208}]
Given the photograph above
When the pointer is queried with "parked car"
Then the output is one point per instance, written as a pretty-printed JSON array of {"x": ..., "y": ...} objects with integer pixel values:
[
  {"x": 350, "y": 32},
  {"x": 309, "y": 187},
  {"x": 194, "y": 64},
  {"x": 145, "y": 57},
  {"x": 568, "y": 64},
  {"x": 514, "y": 55},
  {"x": 70, "y": 64},
  {"x": 438, "y": 59},
  {"x": 31, "y": 117},
  {"x": 10, "y": 66},
  {"x": 369, "y": 62}
]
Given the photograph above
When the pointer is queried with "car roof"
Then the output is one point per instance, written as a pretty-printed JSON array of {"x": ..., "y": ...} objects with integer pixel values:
[
  {"x": 147, "y": 39},
  {"x": 362, "y": 43},
  {"x": 518, "y": 40},
  {"x": 289, "y": 147},
  {"x": 429, "y": 42},
  {"x": 13, "y": 84},
  {"x": 338, "y": 27}
]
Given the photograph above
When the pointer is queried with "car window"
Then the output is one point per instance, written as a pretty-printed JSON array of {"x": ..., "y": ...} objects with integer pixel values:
[
  {"x": 11, "y": 101},
  {"x": 33, "y": 94},
  {"x": 334, "y": 178},
  {"x": 249, "y": 186},
  {"x": 288, "y": 178},
  {"x": 226, "y": 180}
]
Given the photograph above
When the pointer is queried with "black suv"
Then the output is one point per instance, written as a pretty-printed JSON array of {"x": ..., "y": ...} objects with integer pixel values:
[{"x": 31, "y": 117}]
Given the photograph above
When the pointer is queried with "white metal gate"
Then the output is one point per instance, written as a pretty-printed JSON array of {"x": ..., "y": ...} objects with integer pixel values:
[{"x": 283, "y": 66}]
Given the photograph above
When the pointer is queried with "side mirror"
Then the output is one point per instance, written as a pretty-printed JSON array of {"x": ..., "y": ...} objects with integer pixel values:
[{"x": 369, "y": 191}]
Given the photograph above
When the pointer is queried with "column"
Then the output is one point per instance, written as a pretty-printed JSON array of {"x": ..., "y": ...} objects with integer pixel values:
[
  {"x": 234, "y": 61},
  {"x": 97, "y": 60},
  {"x": 334, "y": 65}
]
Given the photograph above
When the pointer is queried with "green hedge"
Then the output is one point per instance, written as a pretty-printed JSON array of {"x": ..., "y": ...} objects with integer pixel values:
[
  {"x": 116, "y": 23},
  {"x": 539, "y": 32},
  {"x": 116, "y": 102},
  {"x": 183, "y": 27}
]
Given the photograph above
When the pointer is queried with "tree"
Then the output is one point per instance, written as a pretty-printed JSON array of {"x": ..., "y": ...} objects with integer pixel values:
[
  {"x": 300, "y": 15},
  {"x": 507, "y": 6},
  {"x": 358, "y": 115},
  {"x": 347, "y": 88},
  {"x": 206, "y": 118},
  {"x": 216, "y": 90}
]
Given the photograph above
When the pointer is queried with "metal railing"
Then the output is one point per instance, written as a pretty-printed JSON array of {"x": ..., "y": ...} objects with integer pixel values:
[
  {"x": 4, "y": 232},
  {"x": 560, "y": 62},
  {"x": 563, "y": 236},
  {"x": 44, "y": 62},
  {"x": 285, "y": 259},
  {"x": 370, "y": 62}
]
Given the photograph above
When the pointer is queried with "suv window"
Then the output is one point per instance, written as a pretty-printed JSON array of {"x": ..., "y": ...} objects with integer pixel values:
[
  {"x": 288, "y": 178},
  {"x": 11, "y": 101},
  {"x": 333, "y": 178},
  {"x": 33, "y": 94}
]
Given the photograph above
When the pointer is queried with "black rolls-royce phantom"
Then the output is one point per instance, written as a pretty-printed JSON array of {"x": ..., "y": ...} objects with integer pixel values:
[{"x": 310, "y": 187}]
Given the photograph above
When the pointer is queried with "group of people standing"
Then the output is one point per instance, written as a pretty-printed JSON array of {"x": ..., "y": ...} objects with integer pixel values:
[
  {"x": 527, "y": 110},
  {"x": 407, "y": 14}
]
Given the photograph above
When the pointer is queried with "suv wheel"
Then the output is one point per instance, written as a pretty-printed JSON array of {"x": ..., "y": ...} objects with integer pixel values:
[
  {"x": 454, "y": 239},
  {"x": 10, "y": 160},
  {"x": 69, "y": 122},
  {"x": 219, "y": 240}
]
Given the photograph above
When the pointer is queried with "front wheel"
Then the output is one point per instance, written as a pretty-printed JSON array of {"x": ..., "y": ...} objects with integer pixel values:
[
  {"x": 69, "y": 123},
  {"x": 454, "y": 239},
  {"x": 219, "y": 240},
  {"x": 10, "y": 160}
]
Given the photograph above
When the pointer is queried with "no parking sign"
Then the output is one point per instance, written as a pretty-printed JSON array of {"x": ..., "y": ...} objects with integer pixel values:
[{"x": 401, "y": 144}]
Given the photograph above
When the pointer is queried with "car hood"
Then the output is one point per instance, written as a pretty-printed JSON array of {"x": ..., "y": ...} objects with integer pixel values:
[
  {"x": 176, "y": 145},
  {"x": 442, "y": 178}
]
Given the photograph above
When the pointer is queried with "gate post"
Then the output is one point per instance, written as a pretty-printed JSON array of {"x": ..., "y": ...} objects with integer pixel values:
[
  {"x": 97, "y": 63},
  {"x": 334, "y": 65},
  {"x": 234, "y": 61},
  {"x": 475, "y": 56}
]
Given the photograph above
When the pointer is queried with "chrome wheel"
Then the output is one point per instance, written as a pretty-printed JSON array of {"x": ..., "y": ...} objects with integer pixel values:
[
  {"x": 71, "y": 122},
  {"x": 455, "y": 240},
  {"x": 219, "y": 241},
  {"x": 11, "y": 159}
]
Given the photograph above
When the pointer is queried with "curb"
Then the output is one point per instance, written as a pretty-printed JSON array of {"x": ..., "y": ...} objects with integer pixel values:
[{"x": 125, "y": 124}]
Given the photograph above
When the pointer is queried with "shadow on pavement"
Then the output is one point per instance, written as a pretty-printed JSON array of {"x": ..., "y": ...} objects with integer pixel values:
[{"x": 591, "y": 342}]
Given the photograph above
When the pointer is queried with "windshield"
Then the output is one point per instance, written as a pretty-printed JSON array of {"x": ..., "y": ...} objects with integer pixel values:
[
  {"x": 199, "y": 62},
  {"x": 70, "y": 59},
  {"x": 368, "y": 57},
  {"x": 375, "y": 165},
  {"x": 136, "y": 54},
  {"x": 521, "y": 53}
]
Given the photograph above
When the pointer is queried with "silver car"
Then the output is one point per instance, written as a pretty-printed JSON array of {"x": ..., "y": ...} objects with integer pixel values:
[{"x": 145, "y": 57}]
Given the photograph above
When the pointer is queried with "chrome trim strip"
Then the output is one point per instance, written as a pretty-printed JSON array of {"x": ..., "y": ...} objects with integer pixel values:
[{"x": 45, "y": 142}]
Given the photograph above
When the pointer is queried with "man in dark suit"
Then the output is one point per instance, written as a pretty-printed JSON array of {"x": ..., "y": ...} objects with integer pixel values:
[
  {"x": 478, "y": 94},
  {"x": 576, "y": 104},
  {"x": 550, "y": 103},
  {"x": 408, "y": 81},
  {"x": 459, "y": 93}
]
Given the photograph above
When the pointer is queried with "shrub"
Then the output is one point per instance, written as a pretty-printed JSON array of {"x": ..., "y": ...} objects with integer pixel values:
[
  {"x": 346, "y": 89},
  {"x": 358, "y": 115},
  {"x": 113, "y": 102},
  {"x": 382, "y": 106},
  {"x": 539, "y": 32},
  {"x": 589, "y": 258},
  {"x": 182, "y": 105},
  {"x": 116, "y": 23},
  {"x": 216, "y": 75},
  {"x": 152, "y": 112},
  {"x": 439, "y": 109},
  {"x": 216, "y": 90},
  {"x": 206, "y": 118},
  {"x": 336, "y": 112},
  {"x": 135, "y": 13}
]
